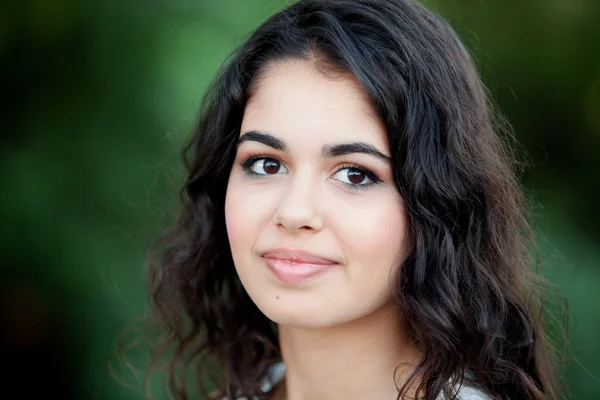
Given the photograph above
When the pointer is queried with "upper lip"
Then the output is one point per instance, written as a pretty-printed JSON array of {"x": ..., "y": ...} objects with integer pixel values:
[{"x": 297, "y": 256}]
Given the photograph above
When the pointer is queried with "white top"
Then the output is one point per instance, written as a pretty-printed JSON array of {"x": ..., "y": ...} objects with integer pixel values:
[{"x": 277, "y": 372}]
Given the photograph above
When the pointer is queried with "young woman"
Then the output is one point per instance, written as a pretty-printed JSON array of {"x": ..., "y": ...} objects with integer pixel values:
[{"x": 351, "y": 226}]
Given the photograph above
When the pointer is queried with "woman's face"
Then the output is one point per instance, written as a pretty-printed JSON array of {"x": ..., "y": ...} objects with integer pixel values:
[{"x": 316, "y": 225}]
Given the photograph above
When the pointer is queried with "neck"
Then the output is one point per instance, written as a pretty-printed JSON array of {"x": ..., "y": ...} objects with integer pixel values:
[{"x": 357, "y": 360}]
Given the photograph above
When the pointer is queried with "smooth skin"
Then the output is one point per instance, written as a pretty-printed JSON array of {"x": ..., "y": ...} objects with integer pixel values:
[{"x": 314, "y": 174}]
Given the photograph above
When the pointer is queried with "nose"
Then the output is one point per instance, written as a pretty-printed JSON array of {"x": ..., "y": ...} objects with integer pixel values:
[{"x": 297, "y": 210}]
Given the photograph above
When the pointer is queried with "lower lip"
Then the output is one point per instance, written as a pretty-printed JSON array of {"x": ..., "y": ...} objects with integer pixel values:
[{"x": 295, "y": 274}]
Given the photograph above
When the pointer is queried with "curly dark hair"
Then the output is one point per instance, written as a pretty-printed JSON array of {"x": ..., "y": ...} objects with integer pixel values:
[{"x": 469, "y": 294}]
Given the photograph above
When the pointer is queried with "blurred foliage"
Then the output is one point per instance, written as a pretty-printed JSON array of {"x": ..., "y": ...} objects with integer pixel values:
[{"x": 96, "y": 99}]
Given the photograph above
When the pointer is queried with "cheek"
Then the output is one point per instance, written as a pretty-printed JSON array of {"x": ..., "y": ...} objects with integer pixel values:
[
  {"x": 246, "y": 212},
  {"x": 376, "y": 238},
  {"x": 236, "y": 213}
]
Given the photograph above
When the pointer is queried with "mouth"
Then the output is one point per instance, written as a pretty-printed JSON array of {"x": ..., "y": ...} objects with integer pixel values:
[
  {"x": 297, "y": 257},
  {"x": 295, "y": 267}
]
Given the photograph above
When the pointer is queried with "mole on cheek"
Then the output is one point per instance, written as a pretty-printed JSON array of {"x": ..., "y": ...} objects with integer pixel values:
[{"x": 277, "y": 297}]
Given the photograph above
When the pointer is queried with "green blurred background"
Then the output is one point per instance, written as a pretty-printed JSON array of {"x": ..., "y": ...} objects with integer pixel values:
[{"x": 96, "y": 99}]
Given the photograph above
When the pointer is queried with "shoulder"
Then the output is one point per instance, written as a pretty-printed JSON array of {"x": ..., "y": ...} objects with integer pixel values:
[
  {"x": 274, "y": 375},
  {"x": 277, "y": 372},
  {"x": 469, "y": 393}
]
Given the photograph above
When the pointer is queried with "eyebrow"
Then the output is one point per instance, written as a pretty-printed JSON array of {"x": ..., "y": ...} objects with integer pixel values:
[
  {"x": 264, "y": 138},
  {"x": 330, "y": 150}
]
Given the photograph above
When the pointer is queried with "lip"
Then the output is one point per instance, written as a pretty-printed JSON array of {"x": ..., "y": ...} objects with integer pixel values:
[{"x": 296, "y": 266}]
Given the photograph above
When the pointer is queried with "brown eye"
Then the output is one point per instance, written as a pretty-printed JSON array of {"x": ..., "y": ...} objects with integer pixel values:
[
  {"x": 267, "y": 166},
  {"x": 356, "y": 177}
]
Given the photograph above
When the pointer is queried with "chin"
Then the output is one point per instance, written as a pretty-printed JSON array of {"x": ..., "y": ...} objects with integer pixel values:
[
  {"x": 302, "y": 320},
  {"x": 309, "y": 314}
]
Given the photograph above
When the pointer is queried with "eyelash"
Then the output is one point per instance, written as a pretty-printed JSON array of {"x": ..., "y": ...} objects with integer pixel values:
[{"x": 247, "y": 162}]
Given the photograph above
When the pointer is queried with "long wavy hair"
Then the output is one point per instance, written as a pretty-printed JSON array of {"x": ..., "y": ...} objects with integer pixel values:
[{"x": 468, "y": 293}]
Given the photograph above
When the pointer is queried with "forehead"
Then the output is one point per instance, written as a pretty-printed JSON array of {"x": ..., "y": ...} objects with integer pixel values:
[{"x": 297, "y": 102}]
